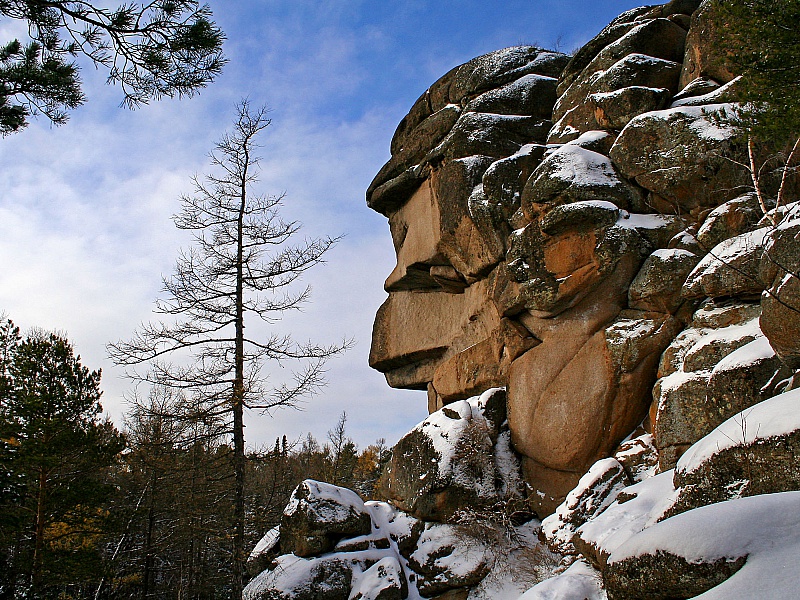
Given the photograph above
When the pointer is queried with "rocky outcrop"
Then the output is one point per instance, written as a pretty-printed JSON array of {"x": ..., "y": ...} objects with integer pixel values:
[
  {"x": 456, "y": 466},
  {"x": 527, "y": 265},
  {"x": 580, "y": 233}
]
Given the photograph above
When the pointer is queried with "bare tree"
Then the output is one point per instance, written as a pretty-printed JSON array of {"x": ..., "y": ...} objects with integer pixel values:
[{"x": 242, "y": 267}]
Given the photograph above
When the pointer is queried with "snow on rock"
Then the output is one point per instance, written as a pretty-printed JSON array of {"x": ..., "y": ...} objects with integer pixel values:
[
  {"x": 384, "y": 580},
  {"x": 573, "y": 174},
  {"x": 579, "y": 582},
  {"x": 634, "y": 509},
  {"x": 455, "y": 459},
  {"x": 753, "y": 452},
  {"x": 517, "y": 564},
  {"x": 775, "y": 417},
  {"x": 295, "y": 578},
  {"x": 266, "y": 544},
  {"x": 730, "y": 268},
  {"x": 679, "y": 154},
  {"x": 595, "y": 491},
  {"x": 736, "y": 550},
  {"x": 658, "y": 284},
  {"x": 719, "y": 95},
  {"x": 699, "y": 387},
  {"x": 448, "y": 557},
  {"x": 318, "y": 515}
]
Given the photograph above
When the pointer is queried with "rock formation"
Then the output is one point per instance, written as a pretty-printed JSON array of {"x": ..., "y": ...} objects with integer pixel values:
[{"x": 577, "y": 231}]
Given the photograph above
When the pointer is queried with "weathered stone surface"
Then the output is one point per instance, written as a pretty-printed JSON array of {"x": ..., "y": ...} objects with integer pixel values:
[
  {"x": 632, "y": 70},
  {"x": 658, "y": 39},
  {"x": 664, "y": 576},
  {"x": 687, "y": 405},
  {"x": 696, "y": 87},
  {"x": 613, "y": 110},
  {"x": 414, "y": 333},
  {"x": 586, "y": 53},
  {"x": 318, "y": 515},
  {"x": 564, "y": 420},
  {"x": 489, "y": 135},
  {"x": 730, "y": 269},
  {"x": 639, "y": 457},
  {"x": 433, "y": 122},
  {"x": 780, "y": 303},
  {"x": 731, "y": 219},
  {"x": 658, "y": 284},
  {"x": 504, "y": 179},
  {"x": 594, "y": 493},
  {"x": 448, "y": 557},
  {"x": 703, "y": 56},
  {"x": 635, "y": 508},
  {"x": 297, "y": 578},
  {"x": 265, "y": 552},
  {"x": 758, "y": 534},
  {"x": 548, "y": 487},
  {"x": 483, "y": 365},
  {"x": 532, "y": 95},
  {"x": 753, "y": 452},
  {"x": 384, "y": 580},
  {"x": 574, "y": 174},
  {"x": 447, "y": 462},
  {"x": 678, "y": 154}
]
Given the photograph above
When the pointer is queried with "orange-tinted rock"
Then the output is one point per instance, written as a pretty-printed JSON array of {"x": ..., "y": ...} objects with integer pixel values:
[{"x": 703, "y": 56}]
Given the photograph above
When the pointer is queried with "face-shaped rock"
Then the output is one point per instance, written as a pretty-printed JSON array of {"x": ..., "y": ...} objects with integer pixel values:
[{"x": 514, "y": 261}]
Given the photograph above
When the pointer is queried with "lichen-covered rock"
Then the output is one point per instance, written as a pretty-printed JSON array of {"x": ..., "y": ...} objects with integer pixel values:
[
  {"x": 639, "y": 457},
  {"x": 318, "y": 515},
  {"x": 680, "y": 156},
  {"x": 594, "y": 493},
  {"x": 779, "y": 269},
  {"x": 448, "y": 557},
  {"x": 753, "y": 452},
  {"x": 501, "y": 75},
  {"x": 743, "y": 548},
  {"x": 729, "y": 269},
  {"x": 505, "y": 178},
  {"x": 455, "y": 459},
  {"x": 703, "y": 55},
  {"x": 657, "y": 39},
  {"x": 614, "y": 110},
  {"x": 573, "y": 174},
  {"x": 710, "y": 371},
  {"x": 733, "y": 218},
  {"x": 664, "y": 576},
  {"x": 295, "y": 578},
  {"x": 632, "y": 70},
  {"x": 658, "y": 284},
  {"x": 532, "y": 95}
]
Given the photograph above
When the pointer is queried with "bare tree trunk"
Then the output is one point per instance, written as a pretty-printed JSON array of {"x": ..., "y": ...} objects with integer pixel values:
[{"x": 238, "y": 403}]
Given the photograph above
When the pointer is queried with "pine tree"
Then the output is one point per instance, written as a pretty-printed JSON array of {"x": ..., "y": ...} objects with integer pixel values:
[
  {"x": 161, "y": 48},
  {"x": 760, "y": 38},
  {"x": 60, "y": 454}
]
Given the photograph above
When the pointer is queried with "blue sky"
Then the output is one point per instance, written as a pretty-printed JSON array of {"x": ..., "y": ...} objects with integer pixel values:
[{"x": 85, "y": 229}]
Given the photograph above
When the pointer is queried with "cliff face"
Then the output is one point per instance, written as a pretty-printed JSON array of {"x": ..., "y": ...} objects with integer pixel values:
[
  {"x": 576, "y": 235},
  {"x": 558, "y": 224}
]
